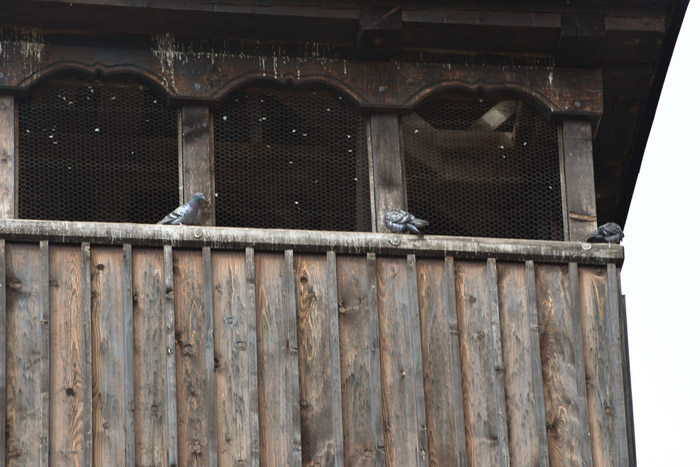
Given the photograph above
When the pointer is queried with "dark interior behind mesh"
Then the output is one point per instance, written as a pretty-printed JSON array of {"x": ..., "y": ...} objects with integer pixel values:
[
  {"x": 97, "y": 151},
  {"x": 483, "y": 167},
  {"x": 291, "y": 158}
]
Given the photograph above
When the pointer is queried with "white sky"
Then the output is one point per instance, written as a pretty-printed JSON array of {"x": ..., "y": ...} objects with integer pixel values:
[{"x": 661, "y": 274}]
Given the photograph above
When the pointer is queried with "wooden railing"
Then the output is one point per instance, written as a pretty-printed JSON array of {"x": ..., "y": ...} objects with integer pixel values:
[{"x": 132, "y": 344}]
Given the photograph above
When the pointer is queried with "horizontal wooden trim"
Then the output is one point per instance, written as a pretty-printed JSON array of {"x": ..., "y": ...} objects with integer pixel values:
[{"x": 310, "y": 241}]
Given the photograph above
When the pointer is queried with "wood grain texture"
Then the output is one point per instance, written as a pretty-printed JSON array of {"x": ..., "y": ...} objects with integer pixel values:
[
  {"x": 334, "y": 350},
  {"x": 387, "y": 163},
  {"x": 303, "y": 241},
  {"x": 209, "y": 378},
  {"x": 523, "y": 393},
  {"x": 108, "y": 359},
  {"x": 631, "y": 442},
  {"x": 482, "y": 403},
  {"x": 446, "y": 441},
  {"x": 170, "y": 357},
  {"x": 398, "y": 371},
  {"x": 232, "y": 358},
  {"x": 363, "y": 432},
  {"x": 150, "y": 397},
  {"x": 70, "y": 401},
  {"x": 565, "y": 424},
  {"x": 196, "y": 146},
  {"x": 313, "y": 311},
  {"x": 128, "y": 383},
  {"x": 577, "y": 146},
  {"x": 24, "y": 303},
  {"x": 278, "y": 384},
  {"x": 190, "y": 339},
  {"x": 45, "y": 336},
  {"x": 7, "y": 157},
  {"x": 252, "y": 336},
  {"x": 3, "y": 352}
]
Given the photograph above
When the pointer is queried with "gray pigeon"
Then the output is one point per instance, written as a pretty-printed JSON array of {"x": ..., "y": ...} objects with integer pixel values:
[
  {"x": 610, "y": 232},
  {"x": 185, "y": 214},
  {"x": 399, "y": 221}
]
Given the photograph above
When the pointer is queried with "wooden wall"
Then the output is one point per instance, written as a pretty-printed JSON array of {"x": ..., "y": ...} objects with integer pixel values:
[{"x": 121, "y": 355}]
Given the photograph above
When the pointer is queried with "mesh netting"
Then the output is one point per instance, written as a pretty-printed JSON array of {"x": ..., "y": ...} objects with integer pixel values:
[
  {"x": 96, "y": 151},
  {"x": 483, "y": 167},
  {"x": 291, "y": 158}
]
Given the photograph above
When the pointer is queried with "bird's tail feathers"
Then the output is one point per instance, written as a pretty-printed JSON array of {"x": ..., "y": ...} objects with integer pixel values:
[{"x": 420, "y": 223}]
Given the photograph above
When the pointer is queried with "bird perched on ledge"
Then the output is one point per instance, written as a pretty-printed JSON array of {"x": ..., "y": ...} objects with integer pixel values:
[
  {"x": 610, "y": 232},
  {"x": 399, "y": 221},
  {"x": 185, "y": 214}
]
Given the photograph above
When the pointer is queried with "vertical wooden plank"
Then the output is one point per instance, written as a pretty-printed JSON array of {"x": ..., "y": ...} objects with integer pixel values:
[
  {"x": 526, "y": 431},
  {"x": 195, "y": 147},
  {"x": 316, "y": 300},
  {"x": 631, "y": 444},
  {"x": 128, "y": 301},
  {"x": 402, "y": 421},
  {"x": 562, "y": 399},
  {"x": 387, "y": 163},
  {"x": 108, "y": 361},
  {"x": 334, "y": 349},
  {"x": 232, "y": 351},
  {"x": 363, "y": 432},
  {"x": 170, "y": 357},
  {"x": 209, "y": 378},
  {"x": 45, "y": 349},
  {"x": 3, "y": 353},
  {"x": 70, "y": 391},
  {"x": 278, "y": 387},
  {"x": 577, "y": 143},
  {"x": 190, "y": 337},
  {"x": 441, "y": 374},
  {"x": 7, "y": 157},
  {"x": 86, "y": 336},
  {"x": 24, "y": 302},
  {"x": 252, "y": 339},
  {"x": 150, "y": 406},
  {"x": 486, "y": 440}
]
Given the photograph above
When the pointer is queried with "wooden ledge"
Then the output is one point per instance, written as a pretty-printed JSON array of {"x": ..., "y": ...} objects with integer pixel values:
[{"x": 309, "y": 241}]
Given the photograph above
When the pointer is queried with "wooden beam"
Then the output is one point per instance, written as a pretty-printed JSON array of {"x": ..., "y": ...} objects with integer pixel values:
[
  {"x": 310, "y": 241},
  {"x": 378, "y": 32},
  {"x": 577, "y": 147},
  {"x": 387, "y": 162},
  {"x": 7, "y": 158},
  {"x": 196, "y": 164}
]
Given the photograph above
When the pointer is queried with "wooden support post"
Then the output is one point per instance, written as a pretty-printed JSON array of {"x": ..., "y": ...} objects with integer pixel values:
[
  {"x": 387, "y": 162},
  {"x": 7, "y": 157},
  {"x": 196, "y": 159},
  {"x": 577, "y": 144}
]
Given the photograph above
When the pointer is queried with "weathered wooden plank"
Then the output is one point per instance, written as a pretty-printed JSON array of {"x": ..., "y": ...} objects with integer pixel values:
[
  {"x": 150, "y": 398},
  {"x": 170, "y": 357},
  {"x": 128, "y": 301},
  {"x": 441, "y": 372},
  {"x": 334, "y": 350},
  {"x": 108, "y": 361},
  {"x": 524, "y": 396},
  {"x": 387, "y": 163},
  {"x": 402, "y": 422},
  {"x": 3, "y": 352},
  {"x": 316, "y": 382},
  {"x": 209, "y": 377},
  {"x": 312, "y": 241},
  {"x": 482, "y": 402},
  {"x": 278, "y": 387},
  {"x": 363, "y": 432},
  {"x": 190, "y": 337},
  {"x": 45, "y": 349},
  {"x": 70, "y": 400},
  {"x": 565, "y": 423},
  {"x": 252, "y": 345},
  {"x": 7, "y": 158},
  {"x": 577, "y": 146},
  {"x": 631, "y": 443},
  {"x": 24, "y": 302},
  {"x": 86, "y": 336},
  {"x": 195, "y": 147}
]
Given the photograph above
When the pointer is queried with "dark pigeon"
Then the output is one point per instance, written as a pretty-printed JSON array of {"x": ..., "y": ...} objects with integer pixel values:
[
  {"x": 185, "y": 214},
  {"x": 610, "y": 232},
  {"x": 399, "y": 221}
]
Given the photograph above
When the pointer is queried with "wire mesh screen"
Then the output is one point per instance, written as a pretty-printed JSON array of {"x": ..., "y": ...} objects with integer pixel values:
[
  {"x": 293, "y": 159},
  {"x": 483, "y": 167},
  {"x": 97, "y": 151}
]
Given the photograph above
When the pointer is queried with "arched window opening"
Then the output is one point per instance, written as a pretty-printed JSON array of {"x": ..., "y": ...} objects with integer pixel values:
[
  {"x": 96, "y": 151},
  {"x": 483, "y": 167},
  {"x": 292, "y": 159}
]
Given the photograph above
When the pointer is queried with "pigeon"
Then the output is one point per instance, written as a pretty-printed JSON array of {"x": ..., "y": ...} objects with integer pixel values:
[
  {"x": 610, "y": 232},
  {"x": 399, "y": 221},
  {"x": 185, "y": 214}
]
